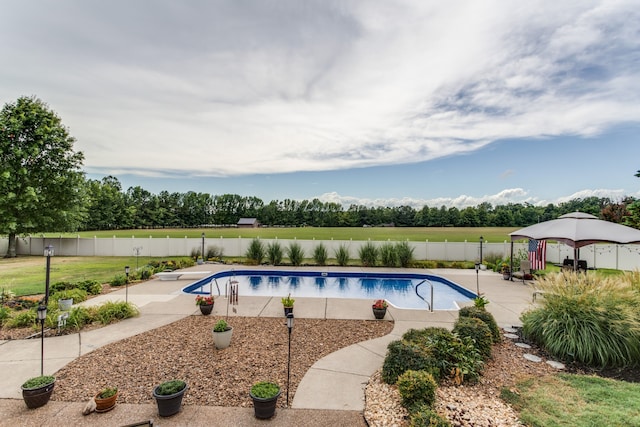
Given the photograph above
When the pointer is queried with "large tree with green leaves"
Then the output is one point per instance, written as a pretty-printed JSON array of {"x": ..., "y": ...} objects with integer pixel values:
[{"x": 41, "y": 183}]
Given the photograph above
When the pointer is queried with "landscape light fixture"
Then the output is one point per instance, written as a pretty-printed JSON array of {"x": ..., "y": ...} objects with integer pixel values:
[
  {"x": 477, "y": 279},
  {"x": 203, "y": 247},
  {"x": 481, "y": 241},
  {"x": 42, "y": 316},
  {"x": 290, "y": 326},
  {"x": 126, "y": 284}
]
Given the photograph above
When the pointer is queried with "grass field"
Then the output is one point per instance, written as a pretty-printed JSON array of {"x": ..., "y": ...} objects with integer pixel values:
[
  {"x": 417, "y": 234},
  {"x": 26, "y": 275}
]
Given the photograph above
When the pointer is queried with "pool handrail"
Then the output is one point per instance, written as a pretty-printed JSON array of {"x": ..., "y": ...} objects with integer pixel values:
[{"x": 430, "y": 304}]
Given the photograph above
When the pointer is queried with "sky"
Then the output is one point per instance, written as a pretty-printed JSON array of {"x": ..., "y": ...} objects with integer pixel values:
[{"x": 370, "y": 102}]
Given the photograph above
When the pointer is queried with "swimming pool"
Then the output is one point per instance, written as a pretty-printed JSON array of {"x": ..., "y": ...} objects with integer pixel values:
[{"x": 399, "y": 289}]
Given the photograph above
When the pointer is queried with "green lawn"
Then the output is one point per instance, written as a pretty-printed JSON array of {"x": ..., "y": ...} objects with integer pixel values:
[
  {"x": 27, "y": 275},
  {"x": 420, "y": 234},
  {"x": 576, "y": 401}
]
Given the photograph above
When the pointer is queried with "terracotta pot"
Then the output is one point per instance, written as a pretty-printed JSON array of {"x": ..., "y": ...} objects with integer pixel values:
[{"x": 105, "y": 404}]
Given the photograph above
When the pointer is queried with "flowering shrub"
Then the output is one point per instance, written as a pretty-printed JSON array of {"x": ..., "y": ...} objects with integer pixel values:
[
  {"x": 380, "y": 303},
  {"x": 201, "y": 300}
]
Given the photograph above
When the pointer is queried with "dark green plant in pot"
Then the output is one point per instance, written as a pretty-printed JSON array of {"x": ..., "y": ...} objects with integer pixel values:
[
  {"x": 221, "y": 326},
  {"x": 265, "y": 390},
  {"x": 108, "y": 392},
  {"x": 37, "y": 382},
  {"x": 170, "y": 387}
]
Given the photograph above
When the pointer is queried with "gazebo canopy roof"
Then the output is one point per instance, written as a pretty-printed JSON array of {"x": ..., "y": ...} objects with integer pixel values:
[{"x": 578, "y": 229}]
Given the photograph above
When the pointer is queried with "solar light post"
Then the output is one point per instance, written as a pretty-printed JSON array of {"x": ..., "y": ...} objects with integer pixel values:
[
  {"x": 481, "y": 241},
  {"x": 42, "y": 316},
  {"x": 290, "y": 326},
  {"x": 203, "y": 247},
  {"x": 126, "y": 284},
  {"x": 477, "y": 279}
]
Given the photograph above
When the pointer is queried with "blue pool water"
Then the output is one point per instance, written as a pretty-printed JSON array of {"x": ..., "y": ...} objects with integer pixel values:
[{"x": 399, "y": 289}]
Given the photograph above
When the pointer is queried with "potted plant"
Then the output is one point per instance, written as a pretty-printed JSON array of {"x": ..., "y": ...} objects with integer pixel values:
[
  {"x": 65, "y": 300},
  {"x": 506, "y": 271},
  {"x": 222, "y": 334},
  {"x": 205, "y": 303},
  {"x": 287, "y": 303},
  {"x": 168, "y": 397},
  {"x": 265, "y": 398},
  {"x": 106, "y": 399},
  {"x": 379, "y": 308},
  {"x": 36, "y": 391}
]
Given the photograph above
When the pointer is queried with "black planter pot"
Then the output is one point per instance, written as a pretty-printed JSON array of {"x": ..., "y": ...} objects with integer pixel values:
[
  {"x": 170, "y": 404},
  {"x": 264, "y": 408},
  {"x": 206, "y": 309},
  {"x": 379, "y": 313},
  {"x": 37, "y": 397},
  {"x": 287, "y": 310}
]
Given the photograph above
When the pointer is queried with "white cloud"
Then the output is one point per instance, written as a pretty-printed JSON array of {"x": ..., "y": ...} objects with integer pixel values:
[
  {"x": 255, "y": 87},
  {"x": 504, "y": 197}
]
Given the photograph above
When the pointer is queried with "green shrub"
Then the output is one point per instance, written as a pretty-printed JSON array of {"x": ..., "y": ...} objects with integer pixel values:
[
  {"x": 387, "y": 255},
  {"x": 146, "y": 273},
  {"x": 5, "y": 313},
  {"x": 78, "y": 295},
  {"x": 265, "y": 389},
  {"x": 255, "y": 251},
  {"x": 426, "y": 336},
  {"x": 417, "y": 387},
  {"x": 425, "y": 416},
  {"x": 91, "y": 287},
  {"x": 108, "y": 392},
  {"x": 79, "y": 316},
  {"x": 368, "y": 254},
  {"x": 214, "y": 253},
  {"x": 119, "y": 280},
  {"x": 404, "y": 355},
  {"x": 478, "y": 331},
  {"x": 320, "y": 254},
  {"x": 457, "y": 357},
  {"x": 195, "y": 253},
  {"x": 342, "y": 255},
  {"x": 110, "y": 312},
  {"x": 405, "y": 254},
  {"x": 295, "y": 253},
  {"x": 170, "y": 387},
  {"x": 486, "y": 317},
  {"x": 587, "y": 319},
  {"x": 274, "y": 253},
  {"x": 22, "y": 319},
  {"x": 61, "y": 286}
]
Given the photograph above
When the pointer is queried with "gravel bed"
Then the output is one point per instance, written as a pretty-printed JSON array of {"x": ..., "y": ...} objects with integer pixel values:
[
  {"x": 185, "y": 350},
  {"x": 467, "y": 405}
]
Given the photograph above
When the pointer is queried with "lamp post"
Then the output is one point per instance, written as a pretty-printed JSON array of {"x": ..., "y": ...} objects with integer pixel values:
[
  {"x": 290, "y": 326},
  {"x": 126, "y": 284},
  {"x": 48, "y": 252},
  {"x": 203, "y": 247},
  {"x": 481, "y": 241},
  {"x": 42, "y": 315},
  {"x": 477, "y": 279}
]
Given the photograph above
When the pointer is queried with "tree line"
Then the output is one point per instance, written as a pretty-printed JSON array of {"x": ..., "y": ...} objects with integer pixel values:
[{"x": 109, "y": 207}]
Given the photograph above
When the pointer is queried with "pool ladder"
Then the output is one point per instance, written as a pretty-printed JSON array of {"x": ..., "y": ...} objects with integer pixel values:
[{"x": 430, "y": 304}]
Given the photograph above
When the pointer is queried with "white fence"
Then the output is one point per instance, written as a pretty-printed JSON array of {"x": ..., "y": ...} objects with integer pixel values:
[{"x": 623, "y": 257}]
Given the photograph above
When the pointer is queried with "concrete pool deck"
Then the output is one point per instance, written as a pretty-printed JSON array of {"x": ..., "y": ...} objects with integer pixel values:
[{"x": 161, "y": 303}]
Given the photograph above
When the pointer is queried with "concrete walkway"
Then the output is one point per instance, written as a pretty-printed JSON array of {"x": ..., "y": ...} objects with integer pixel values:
[{"x": 316, "y": 398}]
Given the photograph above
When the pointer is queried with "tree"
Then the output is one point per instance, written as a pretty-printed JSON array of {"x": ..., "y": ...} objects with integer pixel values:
[{"x": 41, "y": 183}]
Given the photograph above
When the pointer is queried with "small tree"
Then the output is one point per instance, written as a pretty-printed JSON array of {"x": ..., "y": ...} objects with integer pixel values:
[{"x": 41, "y": 181}]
